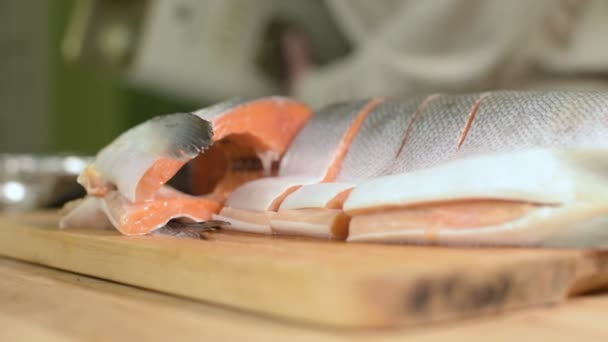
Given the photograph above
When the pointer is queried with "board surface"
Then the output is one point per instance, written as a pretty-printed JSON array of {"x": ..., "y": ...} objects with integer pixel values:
[
  {"x": 321, "y": 282},
  {"x": 44, "y": 304}
]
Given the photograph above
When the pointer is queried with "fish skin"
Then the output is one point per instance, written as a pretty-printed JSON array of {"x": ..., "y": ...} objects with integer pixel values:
[
  {"x": 122, "y": 164},
  {"x": 569, "y": 130},
  {"x": 447, "y": 131},
  {"x": 434, "y": 134},
  {"x": 312, "y": 151},
  {"x": 506, "y": 122},
  {"x": 317, "y": 151},
  {"x": 516, "y": 120},
  {"x": 383, "y": 131}
]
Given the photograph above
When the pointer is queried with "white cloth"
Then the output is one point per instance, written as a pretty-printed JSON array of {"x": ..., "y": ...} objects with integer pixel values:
[{"x": 409, "y": 47}]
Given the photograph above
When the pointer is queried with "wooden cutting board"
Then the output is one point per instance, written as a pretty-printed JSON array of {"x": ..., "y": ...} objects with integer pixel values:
[{"x": 323, "y": 282}]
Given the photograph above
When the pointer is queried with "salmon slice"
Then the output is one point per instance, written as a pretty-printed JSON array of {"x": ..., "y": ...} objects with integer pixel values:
[
  {"x": 526, "y": 198},
  {"x": 320, "y": 195},
  {"x": 314, "y": 210},
  {"x": 319, "y": 148},
  {"x": 142, "y": 159},
  {"x": 536, "y": 175},
  {"x": 319, "y": 223},
  {"x": 250, "y": 221},
  {"x": 115, "y": 210},
  {"x": 249, "y": 137},
  {"x": 487, "y": 223},
  {"x": 268, "y": 125},
  {"x": 265, "y": 194},
  {"x": 315, "y": 156},
  {"x": 143, "y": 218},
  {"x": 145, "y": 157}
]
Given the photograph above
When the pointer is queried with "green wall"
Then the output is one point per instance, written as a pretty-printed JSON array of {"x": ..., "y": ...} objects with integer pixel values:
[{"x": 92, "y": 106}]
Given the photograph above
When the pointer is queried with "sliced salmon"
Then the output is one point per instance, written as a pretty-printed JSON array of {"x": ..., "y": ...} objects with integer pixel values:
[
  {"x": 142, "y": 159},
  {"x": 321, "y": 195},
  {"x": 318, "y": 223},
  {"x": 320, "y": 148},
  {"x": 145, "y": 157},
  {"x": 498, "y": 168},
  {"x": 488, "y": 223},
  {"x": 115, "y": 210},
  {"x": 250, "y": 221},
  {"x": 315, "y": 156},
  {"x": 371, "y": 153},
  {"x": 144, "y": 217},
  {"x": 513, "y": 149},
  {"x": 519, "y": 180},
  {"x": 536, "y": 175},
  {"x": 250, "y": 136}
]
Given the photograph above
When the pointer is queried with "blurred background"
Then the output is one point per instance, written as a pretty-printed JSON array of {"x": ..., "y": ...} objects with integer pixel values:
[{"x": 76, "y": 73}]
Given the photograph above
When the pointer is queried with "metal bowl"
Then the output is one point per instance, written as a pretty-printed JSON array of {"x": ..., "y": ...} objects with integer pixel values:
[{"x": 29, "y": 182}]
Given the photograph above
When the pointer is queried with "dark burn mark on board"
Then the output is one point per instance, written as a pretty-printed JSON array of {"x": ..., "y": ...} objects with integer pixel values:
[
  {"x": 450, "y": 286},
  {"x": 478, "y": 295},
  {"x": 483, "y": 296},
  {"x": 420, "y": 297},
  {"x": 458, "y": 294}
]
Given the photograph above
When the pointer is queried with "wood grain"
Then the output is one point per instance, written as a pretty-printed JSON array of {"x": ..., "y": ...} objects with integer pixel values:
[
  {"x": 323, "y": 282},
  {"x": 42, "y": 304}
]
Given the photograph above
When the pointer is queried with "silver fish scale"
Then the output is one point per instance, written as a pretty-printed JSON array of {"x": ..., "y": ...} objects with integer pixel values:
[
  {"x": 380, "y": 136},
  {"x": 435, "y": 132},
  {"x": 178, "y": 136},
  {"x": 312, "y": 151},
  {"x": 514, "y": 120},
  {"x": 186, "y": 135}
]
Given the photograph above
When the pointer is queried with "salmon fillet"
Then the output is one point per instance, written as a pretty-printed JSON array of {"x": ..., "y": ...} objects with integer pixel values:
[{"x": 504, "y": 168}]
